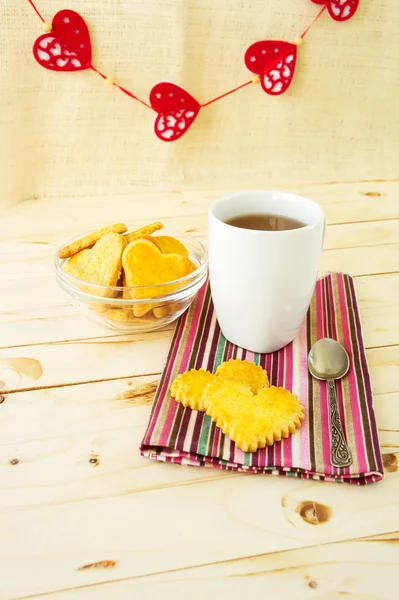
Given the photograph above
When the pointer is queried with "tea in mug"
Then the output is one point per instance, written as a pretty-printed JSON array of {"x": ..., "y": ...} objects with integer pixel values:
[{"x": 265, "y": 222}]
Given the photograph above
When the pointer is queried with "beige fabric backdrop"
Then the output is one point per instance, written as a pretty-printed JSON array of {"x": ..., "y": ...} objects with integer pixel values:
[{"x": 71, "y": 135}]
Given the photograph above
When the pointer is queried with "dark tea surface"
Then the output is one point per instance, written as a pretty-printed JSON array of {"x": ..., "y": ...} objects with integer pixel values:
[{"x": 264, "y": 222}]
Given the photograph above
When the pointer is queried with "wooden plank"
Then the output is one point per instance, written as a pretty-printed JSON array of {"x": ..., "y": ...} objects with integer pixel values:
[
  {"x": 77, "y": 443},
  {"x": 361, "y": 569},
  {"x": 32, "y": 259},
  {"x": 47, "y": 414},
  {"x": 375, "y": 233},
  {"x": 26, "y": 271},
  {"x": 27, "y": 260},
  {"x": 100, "y": 359},
  {"x": 46, "y": 324},
  {"x": 343, "y": 203},
  {"x": 22, "y": 296},
  {"x": 378, "y": 296},
  {"x": 47, "y": 365},
  {"x": 369, "y": 260},
  {"x": 92, "y": 408},
  {"x": 81, "y": 442},
  {"x": 178, "y": 527},
  {"x": 384, "y": 369},
  {"x": 386, "y": 408}
]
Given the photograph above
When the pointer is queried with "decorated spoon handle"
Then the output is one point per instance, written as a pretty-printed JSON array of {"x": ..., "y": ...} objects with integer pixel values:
[{"x": 340, "y": 454}]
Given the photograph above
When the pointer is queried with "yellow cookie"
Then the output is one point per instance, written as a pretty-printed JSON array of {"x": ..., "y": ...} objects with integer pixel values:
[
  {"x": 243, "y": 372},
  {"x": 90, "y": 240},
  {"x": 120, "y": 315},
  {"x": 187, "y": 388},
  {"x": 161, "y": 311},
  {"x": 140, "y": 310},
  {"x": 169, "y": 245},
  {"x": 99, "y": 308},
  {"x": 101, "y": 265},
  {"x": 145, "y": 265},
  {"x": 143, "y": 232},
  {"x": 252, "y": 421}
]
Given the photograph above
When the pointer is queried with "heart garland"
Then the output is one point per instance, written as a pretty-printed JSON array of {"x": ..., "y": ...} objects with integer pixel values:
[
  {"x": 66, "y": 46},
  {"x": 340, "y": 10}
]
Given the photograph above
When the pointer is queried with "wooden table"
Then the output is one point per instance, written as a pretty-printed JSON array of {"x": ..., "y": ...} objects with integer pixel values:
[{"x": 76, "y": 400}]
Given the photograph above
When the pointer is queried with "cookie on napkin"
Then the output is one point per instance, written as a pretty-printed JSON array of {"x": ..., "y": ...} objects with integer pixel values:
[{"x": 250, "y": 420}]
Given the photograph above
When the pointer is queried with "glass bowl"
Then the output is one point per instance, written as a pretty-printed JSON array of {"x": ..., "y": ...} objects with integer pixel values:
[{"x": 118, "y": 307}]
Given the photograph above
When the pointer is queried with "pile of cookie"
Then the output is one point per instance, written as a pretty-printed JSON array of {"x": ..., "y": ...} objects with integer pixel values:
[
  {"x": 136, "y": 261},
  {"x": 240, "y": 400}
]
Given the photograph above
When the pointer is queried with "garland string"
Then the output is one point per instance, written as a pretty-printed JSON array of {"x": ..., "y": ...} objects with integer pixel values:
[
  {"x": 236, "y": 89},
  {"x": 36, "y": 10},
  {"x": 124, "y": 90},
  {"x": 317, "y": 17}
]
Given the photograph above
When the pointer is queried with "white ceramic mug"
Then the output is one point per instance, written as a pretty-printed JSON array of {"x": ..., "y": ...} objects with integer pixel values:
[{"x": 262, "y": 281}]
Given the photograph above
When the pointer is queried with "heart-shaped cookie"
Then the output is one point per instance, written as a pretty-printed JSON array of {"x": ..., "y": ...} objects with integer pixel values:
[
  {"x": 101, "y": 265},
  {"x": 145, "y": 265},
  {"x": 67, "y": 47},
  {"x": 340, "y": 10},
  {"x": 244, "y": 373},
  {"x": 188, "y": 387},
  {"x": 274, "y": 62},
  {"x": 252, "y": 421},
  {"x": 168, "y": 244},
  {"x": 176, "y": 108}
]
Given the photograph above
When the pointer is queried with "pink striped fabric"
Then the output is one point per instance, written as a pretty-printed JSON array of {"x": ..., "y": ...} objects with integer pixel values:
[{"x": 180, "y": 435}]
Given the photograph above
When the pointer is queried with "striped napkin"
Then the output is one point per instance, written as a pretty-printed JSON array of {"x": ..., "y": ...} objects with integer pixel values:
[{"x": 181, "y": 435}]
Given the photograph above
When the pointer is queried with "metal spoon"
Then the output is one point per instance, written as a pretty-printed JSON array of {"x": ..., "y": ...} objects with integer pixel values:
[{"x": 328, "y": 361}]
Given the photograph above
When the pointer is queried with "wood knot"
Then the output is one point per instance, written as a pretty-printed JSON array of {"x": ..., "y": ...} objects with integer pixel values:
[
  {"x": 312, "y": 584},
  {"x": 372, "y": 194},
  {"x": 140, "y": 396},
  {"x": 94, "y": 460},
  {"x": 29, "y": 367},
  {"x": 314, "y": 513},
  {"x": 390, "y": 462},
  {"x": 13, "y": 461},
  {"x": 102, "y": 564}
]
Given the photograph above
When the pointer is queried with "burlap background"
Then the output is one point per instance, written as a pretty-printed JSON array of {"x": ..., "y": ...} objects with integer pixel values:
[{"x": 65, "y": 134}]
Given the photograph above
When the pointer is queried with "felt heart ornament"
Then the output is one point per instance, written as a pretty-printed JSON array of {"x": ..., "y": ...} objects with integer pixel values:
[
  {"x": 67, "y": 46},
  {"x": 176, "y": 108},
  {"x": 274, "y": 62},
  {"x": 340, "y": 10}
]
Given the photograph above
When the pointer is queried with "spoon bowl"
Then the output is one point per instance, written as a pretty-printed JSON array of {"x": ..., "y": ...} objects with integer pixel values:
[{"x": 328, "y": 360}]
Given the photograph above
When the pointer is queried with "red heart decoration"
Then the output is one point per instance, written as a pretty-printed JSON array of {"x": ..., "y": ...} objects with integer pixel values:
[
  {"x": 176, "y": 108},
  {"x": 67, "y": 47},
  {"x": 274, "y": 62},
  {"x": 340, "y": 10}
]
